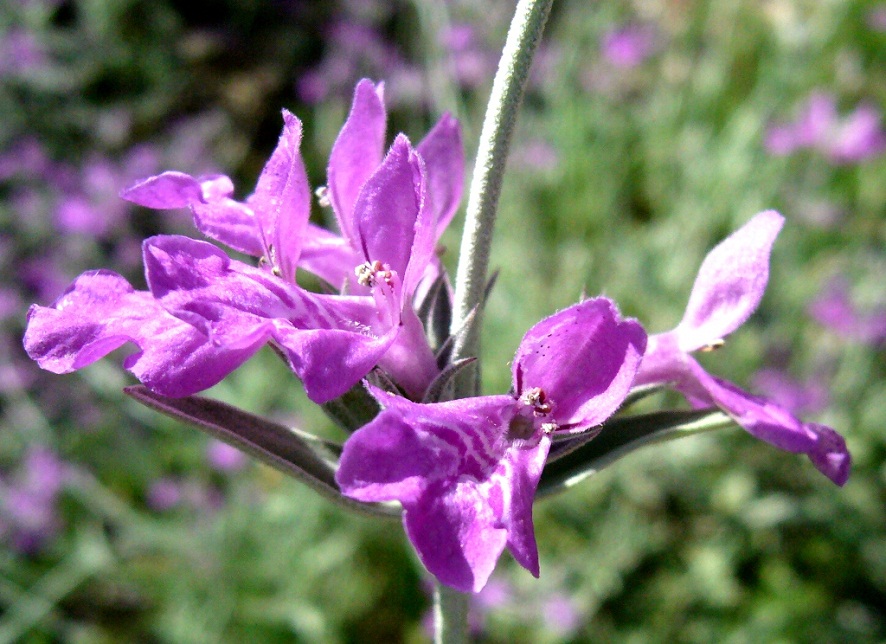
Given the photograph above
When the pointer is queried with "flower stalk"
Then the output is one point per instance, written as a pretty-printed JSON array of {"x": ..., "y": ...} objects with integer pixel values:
[{"x": 508, "y": 89}]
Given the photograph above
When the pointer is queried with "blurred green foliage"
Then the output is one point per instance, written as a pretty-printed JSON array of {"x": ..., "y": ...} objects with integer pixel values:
[{"x": 620, "y": 181}]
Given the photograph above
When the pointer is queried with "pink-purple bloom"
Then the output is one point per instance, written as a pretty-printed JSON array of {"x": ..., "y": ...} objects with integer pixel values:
[
  {"x": 628, "y": 46},
  {"x": 727, "y": 290},
  {"x": 28, "y": 513},
  {"x": 205, "y": 313},
  {"x": 797, "y": 396},
  {"x": 466, "y": 470},
  {"x": 851, "y": 139},
  {"x": 834, "y": 309},
  {"x": 224, "y": 458}
]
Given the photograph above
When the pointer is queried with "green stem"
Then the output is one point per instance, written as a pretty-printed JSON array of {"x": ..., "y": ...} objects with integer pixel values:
[
  {"x": 495, "y": 139},
  {"x": 450, "y": 615}
]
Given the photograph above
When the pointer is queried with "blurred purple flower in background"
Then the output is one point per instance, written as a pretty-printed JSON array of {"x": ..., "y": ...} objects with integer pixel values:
[
  {"x": 472, "y": 63},
  {"x": 356, "y": 47},
  {"x": 561, "y": 615},
  {"x": 797, "y": 396},
  {"x": 851, "y": 139},
  {"x": 877, "y": 18},
  {"x": 224, "y": 458},
  {"x": 835, "y": 310},
  {"x": 28, "y": 515},
  {"x": 90, "y": 198},
  {"x": 164, "y": 494},
  {"x": 536, "y": 155},
  {"x": 628, "y": 46},
  {"x": 20, "y": 52}
]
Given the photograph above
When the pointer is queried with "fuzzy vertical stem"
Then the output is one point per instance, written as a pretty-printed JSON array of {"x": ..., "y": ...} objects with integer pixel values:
[
  {"x": 450, "y": 615},
  {"x": 495, "y": 139}
]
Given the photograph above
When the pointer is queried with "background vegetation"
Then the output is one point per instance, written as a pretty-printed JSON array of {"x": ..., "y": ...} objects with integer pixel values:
[{"x": 647, "y": 136}]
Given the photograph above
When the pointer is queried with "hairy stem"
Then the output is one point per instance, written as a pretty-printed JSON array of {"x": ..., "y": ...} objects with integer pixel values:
[{"x": 495, "y": 138}]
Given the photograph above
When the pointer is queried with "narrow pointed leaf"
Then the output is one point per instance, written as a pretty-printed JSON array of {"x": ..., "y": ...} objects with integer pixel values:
[
  {"x": 435, "y": 312},
  {"x": 639, "y": 393},
  {"x": 437, "y": 388},
  {"x": 293, "y": 452},
  {"x": 572, "y": 460}
]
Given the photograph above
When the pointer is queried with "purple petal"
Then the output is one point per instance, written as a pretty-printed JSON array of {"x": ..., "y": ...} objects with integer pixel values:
[
  {"x": 470, "y": 430},
  {"x": 331, "y": 361},
  {"x": 444, "y": 158},
  {"x": 331, "y": 341},
  {"x": 663, "y": 360},
  {"x": 282, "y": 199},
  {"x": 773, "y": 424},
  {"x": 230, "y": 222},
  {"x": 760, "y": 417},
  {"x": 831, "y": 456},
  {"x": 584, "y": 358},
  {"x": 466, "y": 488},
  {"x": 730, "y": 283},
  {"x": 328, "y": 256},
  {"x": 101, "y": 312},
  {"x": 387, "y": 212},
  {"x": 526, "y": 466},
  {"x": 456, "y": 534},
  {"x": 216, "y": 215},
  {"x": 357, "y": 152},
  {"x": 391, "y": 459},
  {"x": 423, "y": 262},
  {"x": 165, "y": 191}
]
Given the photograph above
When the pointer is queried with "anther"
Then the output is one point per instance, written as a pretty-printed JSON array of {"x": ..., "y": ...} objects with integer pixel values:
[{"x": 369, "y": 273}]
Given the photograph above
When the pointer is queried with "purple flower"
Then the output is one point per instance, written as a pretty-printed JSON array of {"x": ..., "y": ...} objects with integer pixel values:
[
  {"x": 390, "y": 209},
  {"x": 205, "y": 314},
  {"x": 852, "y": 139},
  {"x": 90, "y": 203},
  {"x": 164, "y": 494},
  {"x": 21, "y": 52},
  {"x": 809, "y": 396},
  {"x": 356, "y": 155},
  {"x": 224, "y": 458},
  {"x": 272, "y": 224},
  {"x": 466, "y": 471},
  {"x": 877, "y": 18},
  {"x": 628, "y": 46},
  {"x": 561, "y": 615},
  {"x": 834, "y": 309},
  {"x": 28, "y": 504},
  {"x": 727, "y": 290}
]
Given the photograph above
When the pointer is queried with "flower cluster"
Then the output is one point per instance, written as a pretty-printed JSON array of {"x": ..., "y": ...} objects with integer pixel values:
[
  {"x": 464, "y": 471},
  {"x": 205, "y": 313}
]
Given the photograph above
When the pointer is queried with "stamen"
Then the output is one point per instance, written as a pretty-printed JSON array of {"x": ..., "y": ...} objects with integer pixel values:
[
  {"x": 713, "y": 346},
  {"x": 549, "y": 428},
  {"x": 369, "y": 273},
  {"x": 322, "y": 194},
  {"x": 538, "y": 400}
]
